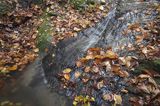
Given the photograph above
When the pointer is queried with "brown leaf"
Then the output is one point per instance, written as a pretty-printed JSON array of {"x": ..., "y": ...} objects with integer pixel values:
[
  {"x": 87, "y": 69},
  {"x": 139, "y": 38},
  {"x": 100, "y": 84},
  {"x": 134, "y": 26},
  {"x": 77, "y": 74}
]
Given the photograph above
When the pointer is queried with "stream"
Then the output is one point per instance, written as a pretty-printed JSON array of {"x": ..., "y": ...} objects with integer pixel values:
[{"x": 37, "y": 85}]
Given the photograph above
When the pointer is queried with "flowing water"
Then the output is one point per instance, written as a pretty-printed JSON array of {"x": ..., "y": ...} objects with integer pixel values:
[{"x": 32, "y": 88}]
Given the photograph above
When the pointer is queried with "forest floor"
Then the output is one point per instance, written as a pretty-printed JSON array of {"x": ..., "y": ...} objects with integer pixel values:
[{"x": 25, "y": 30}]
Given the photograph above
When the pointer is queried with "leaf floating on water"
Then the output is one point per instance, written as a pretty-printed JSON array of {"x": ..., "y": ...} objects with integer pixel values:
[
  {"x": 67, "y": 76},
  {"x": 81, "y": 62},
  {"x": 117, "y": 99},
  {"x": 100, "y": 84},
  {"x": 67, "y": 70},
  {"x": 87, "y": 69},
  {"x": 108, "y": 97},
  {"x": 124, "y": 91},
  {"x": 77, "y": 74}
]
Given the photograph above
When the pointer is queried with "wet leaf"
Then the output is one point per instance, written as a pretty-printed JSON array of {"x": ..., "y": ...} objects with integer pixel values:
[
  {"x": 67, "y": 70},
  {"x": 117, "y": 99},
  {"x": 83, "y": 100},
  {"x": 87, "y": 69},
  {"x": 67, "y": 76},
  {"x": 134, "y": 26},
  {"x": 124, "y": 91},
  {"x": 77, "y": 74},
  {"x": 95, "y": 69},
  {"x": 108, "y": 97},
  {"x": 139, "y": 38},
  {"x": 100, "y": 84}
]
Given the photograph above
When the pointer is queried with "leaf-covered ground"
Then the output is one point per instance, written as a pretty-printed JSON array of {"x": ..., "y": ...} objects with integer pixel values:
[{"x": 22, "y": 28}]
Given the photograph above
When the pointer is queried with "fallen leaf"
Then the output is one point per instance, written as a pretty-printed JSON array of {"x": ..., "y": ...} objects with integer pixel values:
[
  {"x": 108, "y": 97},
  {"x": 12, "y": 68},
  {"x": 111, "y": 55},
  {"x": 87, "y": 69},
  {"x": 67, "y": 76},
  {"x": 36, "y": 50},
  {"x": 117, "y": 99},
  {"x": 95, "y": 69},
  {"x": 101, "y": 7},
  {"x": 67, "y": 70},
  {"x": 100, "y": 84},
  {"x": 77, "y": 74}
]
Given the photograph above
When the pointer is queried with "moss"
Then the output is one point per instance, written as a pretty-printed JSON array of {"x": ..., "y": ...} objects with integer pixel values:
[{"x": 44, "y": 33}]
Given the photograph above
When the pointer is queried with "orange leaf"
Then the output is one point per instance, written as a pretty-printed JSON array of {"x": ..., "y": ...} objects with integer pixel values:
[
  {"x": 77, "y": 74},
  {"x": 67, "y": 76},
  {"x": 13, "y": 68}
]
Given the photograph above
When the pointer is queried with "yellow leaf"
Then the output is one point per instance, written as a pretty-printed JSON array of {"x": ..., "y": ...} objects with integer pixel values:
[
  {"x": 117, "y": 99},
  {"x": 111, "y": 55},
  {"x": 13, "y": 68},
  {"x": 67, "y": 70}
]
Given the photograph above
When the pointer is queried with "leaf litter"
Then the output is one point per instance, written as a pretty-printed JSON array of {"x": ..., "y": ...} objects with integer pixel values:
[
  {"x": 107, "y": 76},
  {"x": 19, "y": 34}
]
